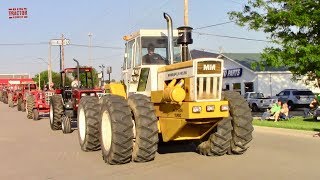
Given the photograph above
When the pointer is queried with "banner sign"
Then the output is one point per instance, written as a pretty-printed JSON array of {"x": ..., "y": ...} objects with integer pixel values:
[
  {"x": 15, "y": 13},
  {"x": 229, "y": 73}
]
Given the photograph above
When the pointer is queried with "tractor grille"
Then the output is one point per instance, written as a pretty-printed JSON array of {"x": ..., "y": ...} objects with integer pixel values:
[
  {"x": 208, "y": 88},
  {"x": 47, "y": 97}
]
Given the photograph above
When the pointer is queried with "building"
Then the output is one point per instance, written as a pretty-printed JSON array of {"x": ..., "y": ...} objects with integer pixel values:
[{"x": 240, "y": 76}]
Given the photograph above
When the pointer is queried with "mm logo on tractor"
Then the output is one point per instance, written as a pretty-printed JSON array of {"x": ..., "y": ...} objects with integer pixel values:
[{"x": 209, "y": 67}]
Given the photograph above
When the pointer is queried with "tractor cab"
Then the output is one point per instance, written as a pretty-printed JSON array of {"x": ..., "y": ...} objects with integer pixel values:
[
  {"x": 146, "y": 51},
  {"x": 76, "y": 83}
]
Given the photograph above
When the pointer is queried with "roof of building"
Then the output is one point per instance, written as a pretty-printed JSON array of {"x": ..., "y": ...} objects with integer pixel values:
[{"x": 245, "y": 59}]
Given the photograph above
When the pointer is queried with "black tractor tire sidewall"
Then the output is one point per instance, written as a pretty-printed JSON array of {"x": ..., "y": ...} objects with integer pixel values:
[
  {"x": 30, "y": 106},
  {"x": 120, "y": 119},
  {"x": 35, "y": 113},
  {"x": 88, "y": 133},
  {"x": 57, "y": 110},
  {"x": 19, "y": 104},
  {"x": 66, "y": 125},
  {"x": 242, "y": 119},
  {"x": 146, "y": 128}
]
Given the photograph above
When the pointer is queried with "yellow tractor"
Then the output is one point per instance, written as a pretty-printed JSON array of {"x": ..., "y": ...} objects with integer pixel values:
[{"x": 165, "y": 94}]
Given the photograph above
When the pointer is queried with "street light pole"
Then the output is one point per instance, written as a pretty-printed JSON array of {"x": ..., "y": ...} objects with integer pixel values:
[
  {"x": 102, "y": 74},
  {"x": 90, "y": 44}
]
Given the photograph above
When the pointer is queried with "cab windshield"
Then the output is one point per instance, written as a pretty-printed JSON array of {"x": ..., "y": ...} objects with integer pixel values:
[{"x": 154, "y": 51}]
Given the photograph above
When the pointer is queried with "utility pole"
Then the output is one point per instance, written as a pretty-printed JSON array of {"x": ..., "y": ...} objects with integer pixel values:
[
  {"x": 186, "y": 13},
  {"x": 62, "y": 52},
  {"x": 109, "y": 71},
  {"x": 49, "y": 68},
  {"x": 62, "y": 58},
  {"x": 39, "y": 81},
  {"x": 90, "y": 49}
]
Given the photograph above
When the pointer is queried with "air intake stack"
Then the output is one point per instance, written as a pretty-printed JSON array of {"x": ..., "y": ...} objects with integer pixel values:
[{"x": 185, "y": 38}]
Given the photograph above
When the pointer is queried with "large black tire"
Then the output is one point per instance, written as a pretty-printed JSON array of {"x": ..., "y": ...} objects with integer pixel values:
[
  {"x": 88, "y": 123},
  {"x": 218, "y": 143},
  {"x": 23, "y": 106},
  {"x": 56, "y": 111},
  {"x": 30, "y": 106},
  {"x": 241, "y": 122},
  {"x": 146, "y": 128},
  {"x": 66, "y": 125},
  {"x": 35, "y": 114},
  {"x": 19, "y": 104},
  {"x": 10, "y": 100},
  {"x": 116, "y": 130}
]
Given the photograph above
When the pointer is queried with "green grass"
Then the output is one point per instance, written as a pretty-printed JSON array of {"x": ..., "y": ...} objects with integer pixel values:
[{"x": 299, "y": 123}]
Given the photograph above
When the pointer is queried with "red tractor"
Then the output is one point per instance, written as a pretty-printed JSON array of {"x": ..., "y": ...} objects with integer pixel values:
[
  {"x": 64, "y": 104},
  {"x": 37, "y": 102}
]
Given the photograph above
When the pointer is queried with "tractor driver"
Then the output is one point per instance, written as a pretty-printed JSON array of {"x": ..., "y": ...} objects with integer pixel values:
[
  {"x": 75, "y": 83},
  {"x": 152, "y": 57}
]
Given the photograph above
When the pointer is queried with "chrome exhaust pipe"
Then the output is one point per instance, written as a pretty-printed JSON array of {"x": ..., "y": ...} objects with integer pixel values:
[{"x": 170, "y": 37}]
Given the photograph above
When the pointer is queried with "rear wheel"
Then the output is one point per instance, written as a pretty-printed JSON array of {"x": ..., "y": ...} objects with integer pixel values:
[
  {"x": 35, "y": 114},
  {"x": 56, "y": 112},
  {"x": 88, "y": 123},
  {"x": 255, "y": 108},
  {"x": 10, "y": 100},
  {"x": 146, "y": 128},
  {"x": 218, "y": 143},
  {"x": 30, "y": 106},
  {"x": 241, "y": 122},
  {"x": 66, "y": 125},
  {"x": 116, "y": 134}
]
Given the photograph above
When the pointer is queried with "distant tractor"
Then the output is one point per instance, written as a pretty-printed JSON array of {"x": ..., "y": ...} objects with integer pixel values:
[
  {"x": 167, "y": 94},
  {"x": 37, "y": 102},
  {"x": 64, "y": 104}
]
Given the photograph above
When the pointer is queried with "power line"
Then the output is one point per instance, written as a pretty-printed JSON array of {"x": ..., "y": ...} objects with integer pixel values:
[
  {"x": 219, "y": 24},
  {"x": 24, "y": 44},
  {"x": 232, "y": 37},
  {"x": 106, "y": 47}
]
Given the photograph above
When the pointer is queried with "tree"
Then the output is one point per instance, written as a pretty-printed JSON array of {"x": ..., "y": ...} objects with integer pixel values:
[
  {"x": 293, "y": 27},
  {"x": 44, "y": 79}
]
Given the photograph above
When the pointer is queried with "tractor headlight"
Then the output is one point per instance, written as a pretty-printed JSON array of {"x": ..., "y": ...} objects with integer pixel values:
[
  {"x": 83, "y": 94},
  {"x": 196, "y": 109},
  {"x": 92, "y": 94},
  {"x": 224, "y": 107},
  {"x": 210, "y": 108}
]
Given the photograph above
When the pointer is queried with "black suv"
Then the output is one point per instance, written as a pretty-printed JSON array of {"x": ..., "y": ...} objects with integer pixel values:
[{"x": 296, "y": 97}]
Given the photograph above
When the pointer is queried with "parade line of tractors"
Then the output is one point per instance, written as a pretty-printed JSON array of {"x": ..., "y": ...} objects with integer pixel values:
[{"x": 163, "y": 97}]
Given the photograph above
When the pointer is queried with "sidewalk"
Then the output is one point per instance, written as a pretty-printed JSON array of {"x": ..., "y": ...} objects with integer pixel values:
[{"x": 282, "y": 131}]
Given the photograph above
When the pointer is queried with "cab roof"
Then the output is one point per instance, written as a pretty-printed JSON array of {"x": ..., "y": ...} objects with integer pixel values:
[{"x": 150, "y": 33}]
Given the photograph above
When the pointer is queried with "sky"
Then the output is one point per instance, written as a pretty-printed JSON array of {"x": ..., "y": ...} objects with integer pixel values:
[{"x": 109, "y": 21}]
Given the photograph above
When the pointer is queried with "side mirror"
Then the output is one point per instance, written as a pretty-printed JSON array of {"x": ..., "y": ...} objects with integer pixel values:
[{"x": 277, "y": 94}]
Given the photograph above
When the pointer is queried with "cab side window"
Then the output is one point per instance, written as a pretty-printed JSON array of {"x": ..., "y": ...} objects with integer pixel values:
[{"x": 130, "y": 56}]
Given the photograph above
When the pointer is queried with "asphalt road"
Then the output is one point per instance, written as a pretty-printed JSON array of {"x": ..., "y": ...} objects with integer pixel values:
[{"x": 30, "y": 150}]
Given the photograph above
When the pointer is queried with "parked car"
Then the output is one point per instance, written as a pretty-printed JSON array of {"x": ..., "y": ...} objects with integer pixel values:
[
  {"x": 257, "y": 101},
  {"x": 296, "y": 98}
]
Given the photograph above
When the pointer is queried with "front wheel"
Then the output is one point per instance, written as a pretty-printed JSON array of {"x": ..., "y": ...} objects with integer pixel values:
[
  {"x": 35, "y": 114},
  {"x": 66, "y": 125},
  {"x": 56, "y": 112},
  {"x": 146, "y": 128},
  {"x": 116, "y": 130},
  {"x": 88, "y": 123},
  {"x": 30, "y": 107},
  {"x": 241, "y": 122}
]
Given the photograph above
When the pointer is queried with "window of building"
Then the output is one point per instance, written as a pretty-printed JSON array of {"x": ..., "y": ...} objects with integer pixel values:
[
  {"x": 237, "y": 87},
  {"x": 248, "y": 87}
]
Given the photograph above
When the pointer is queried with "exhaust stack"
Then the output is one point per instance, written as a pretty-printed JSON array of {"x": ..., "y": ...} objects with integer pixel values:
[
  {"x": 170, "y": 37},
  {"x": 185, "y": 38},
  {"x": 78, "y": 69}
]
